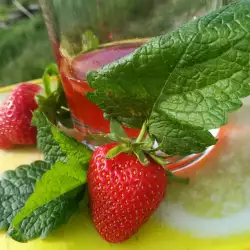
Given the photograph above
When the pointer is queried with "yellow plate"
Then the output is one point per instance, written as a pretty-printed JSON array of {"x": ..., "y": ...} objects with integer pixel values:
[{"x": 212, "y": 213}]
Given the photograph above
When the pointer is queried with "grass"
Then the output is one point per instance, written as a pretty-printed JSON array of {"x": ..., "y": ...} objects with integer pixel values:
[{"x": 24, "y": 51}]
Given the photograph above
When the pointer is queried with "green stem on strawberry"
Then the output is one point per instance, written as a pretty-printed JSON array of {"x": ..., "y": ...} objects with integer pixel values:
[
  {"x": 142, "y": 132},
  {"x": 156, "y": 149},
  {"x": 141, "y": 156},
  {"x": 120, "y": 148},
  {"x": 159, "y": 160},
  {"x": 171, "y": 176}
]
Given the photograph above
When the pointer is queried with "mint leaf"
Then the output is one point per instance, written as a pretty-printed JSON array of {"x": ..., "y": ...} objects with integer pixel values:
[
  {"x": 45, "y": 141},
  {"x": 54, "y": 104},
  {"x": 16, "y": 187},
  {"x": 69, "y": 48},
  {"x": 55, "y": 145},
  {"x": 57, "y": 194},
  {"x": 45, "y": 219},
  {"x": 89, "y": 41},
  {"x": 184, "y": 82},
  {"x": 51, "y": 70},
  {"x": 60, "y": 180},
  {"x": 71, "y": 147}
]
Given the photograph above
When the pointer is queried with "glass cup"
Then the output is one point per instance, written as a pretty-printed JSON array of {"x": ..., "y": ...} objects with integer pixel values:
[{"x": 88, "y": 34}]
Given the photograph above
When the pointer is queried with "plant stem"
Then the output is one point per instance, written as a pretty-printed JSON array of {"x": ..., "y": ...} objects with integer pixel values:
[
  {"x": 142, "y": 132},
  {"x": 158, "y": 160},
  {"x": 175, "y": 178},
  {"x": 171, "y": 176}
]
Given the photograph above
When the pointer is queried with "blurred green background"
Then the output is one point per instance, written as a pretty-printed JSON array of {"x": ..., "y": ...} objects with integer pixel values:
[{"x": 24, "y": 45}]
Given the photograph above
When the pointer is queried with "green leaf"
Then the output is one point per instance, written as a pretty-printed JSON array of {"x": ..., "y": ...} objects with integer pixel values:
[
  {"x": 120, "y": 148},
  {"x": 184, "y": 82},
  {"x": 45, "y": 141},
  {"x": 50, "y": 70},
  {"x": 89, "y": 41},
  {"x": 141, "y": 156},
  {"x": 54, "y": 104},
  {"x": 74, "y": 149},
  {"x": 114, "y": 138},
  {"x": 117, "y": 129},
  {"x": 45, "y": 219},
  {"x": 60, "y": 180},
  {"x": 97, "y": 139},
  {"x": 55, "y": 145},
  {"x": 15, "y": 188},
  {"x": 148, "y": 143},
  {"x": 175, "y": 178}
]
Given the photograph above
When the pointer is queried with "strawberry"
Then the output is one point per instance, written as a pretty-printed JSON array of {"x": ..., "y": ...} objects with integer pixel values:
[
  {"x": 123, "y": 192},
  {"x": 16, "y": 115}
]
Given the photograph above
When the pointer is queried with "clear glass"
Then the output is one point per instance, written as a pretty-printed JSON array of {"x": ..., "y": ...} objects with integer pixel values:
[{"x": 87, "y": 34}]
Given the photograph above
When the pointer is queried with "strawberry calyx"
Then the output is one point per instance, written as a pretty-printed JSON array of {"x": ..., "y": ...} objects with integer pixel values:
[
  {"x": 125, "y": 144},
  {"x": 142, "y": 147}
]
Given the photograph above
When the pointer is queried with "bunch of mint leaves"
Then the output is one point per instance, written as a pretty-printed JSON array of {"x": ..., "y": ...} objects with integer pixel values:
[
  {"x": 182, "y": 84},
  {"x": 38, "y": 198}
]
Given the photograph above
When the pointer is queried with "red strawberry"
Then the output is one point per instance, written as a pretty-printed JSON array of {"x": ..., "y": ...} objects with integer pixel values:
[
  {"x": 16, "y": 115},
  {"x": 123, "y": 193}
]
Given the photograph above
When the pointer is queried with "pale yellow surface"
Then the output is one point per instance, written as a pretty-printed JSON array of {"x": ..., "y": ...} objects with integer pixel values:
[{"x": 79, "y": 233}]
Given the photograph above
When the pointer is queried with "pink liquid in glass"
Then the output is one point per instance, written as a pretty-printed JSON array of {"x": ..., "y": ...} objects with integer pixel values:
[{"x": 87, "y": 116}]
